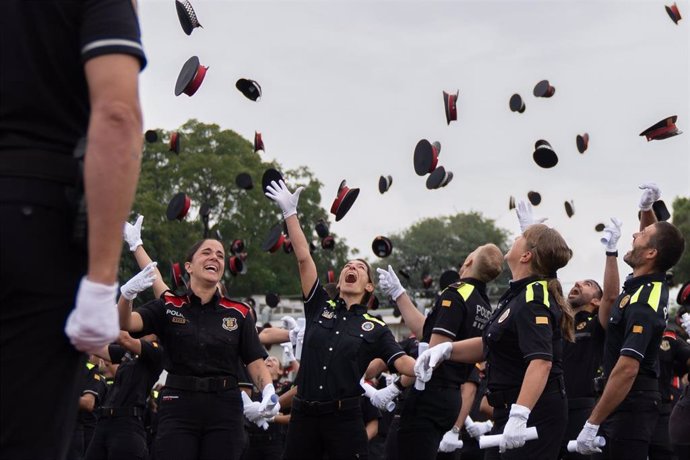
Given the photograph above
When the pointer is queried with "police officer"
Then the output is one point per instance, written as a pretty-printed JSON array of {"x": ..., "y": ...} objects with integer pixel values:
[
  {"x": 523, "y": 343},
  {"x": 120, "y": 430},
  {"x": 629, "y": 405},
  {"x": 460, "y": 312},
  {"x": 67, "y": 68},
  {"x": 340, "y": 341},
  {"x": 204, "y": 336},
  {"x": 679, "y": 422},
  {"x": 93, "y": 392}
]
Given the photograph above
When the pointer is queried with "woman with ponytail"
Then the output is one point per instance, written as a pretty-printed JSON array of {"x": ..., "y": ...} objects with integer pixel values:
[{"x": 522, "y": 344}]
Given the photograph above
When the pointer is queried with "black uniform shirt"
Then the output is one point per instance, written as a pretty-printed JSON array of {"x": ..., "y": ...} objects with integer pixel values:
[
  {"x": 674, "y": 354},
  {"x": 338, "y": 346},
  {"x": 202, "y": 340},
  {"x": 461, "y": 312},
  {"x": 582, "y": 359},
  {"x": 135, "y": 375},
  {"x": 638, "y": 318},
  {"x": 525, "y": 326},
  {"x": 95, "y": 384},
  {"x": 44, "y": 99}
]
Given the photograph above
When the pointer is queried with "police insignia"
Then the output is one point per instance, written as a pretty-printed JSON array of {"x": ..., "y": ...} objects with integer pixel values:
[
  {"x": 541, "y": 319},
  {"x": 328, "y": 314},
  {"x": 665, "y": 346},
  {"x": 637, "y": 329},
  {"x": 367, "y": 326},
  {"x": 229, "y": 323},
  {"x": 581, "y": 325},
  {"x": 445, "y": 303},
  {"x": 624, "y": 301},
  {"x": 504, "y": 316},
  {"x": 178, "y": 320}
]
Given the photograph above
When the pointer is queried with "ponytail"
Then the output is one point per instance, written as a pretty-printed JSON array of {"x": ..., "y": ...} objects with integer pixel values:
[{"x": 567, "y": 321}]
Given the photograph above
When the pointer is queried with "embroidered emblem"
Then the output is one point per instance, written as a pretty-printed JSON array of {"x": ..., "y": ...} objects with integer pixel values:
[
  {"x": 178, "y": 320},
  {"x": 541, "y": 319},
  {"x": 665, "y": 346},
  {"x": 624, "y": 301},
  {"x": 445, "y": 303},
  {"x": 328, "y": 314},
  {"x": 637, "y": 329},
  {"x": 581, "y": 325},
  {"x": 367, "y": 326},
  {"x": 229, "y": 323},
  {"x": 504, "y": 316}
]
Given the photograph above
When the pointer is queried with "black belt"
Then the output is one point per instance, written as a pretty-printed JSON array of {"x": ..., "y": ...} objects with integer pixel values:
[
  {"x": 325, "y": 407},
  {"x": 505, "y": 398},
  {"x": 107, "y": 412},
  {"x": 40, "y": 165},
  {"x": 580, "y": 403},
  {"x": 202, "y": 384}
]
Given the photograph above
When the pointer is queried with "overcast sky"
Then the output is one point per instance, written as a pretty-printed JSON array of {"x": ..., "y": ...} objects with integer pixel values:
[{"x": 349, "y": 88}]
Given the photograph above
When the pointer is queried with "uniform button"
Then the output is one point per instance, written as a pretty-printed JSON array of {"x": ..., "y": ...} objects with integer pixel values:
[
  {"x": 361, "y": 335},
  {"x": 337, "y": 332},
  {"x": 344, "y": 319},
  {"x": 324, "y": 368},
  {"x": 320, "y": 387},
  {"x": 320, "y": 321},
  {"x": 330, "y": 348}
]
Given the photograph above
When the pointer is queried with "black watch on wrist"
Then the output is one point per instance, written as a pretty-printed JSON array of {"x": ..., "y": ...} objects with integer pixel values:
[
  {"x": 398, "y": 384},
  {"x": 612, "y": 253}
]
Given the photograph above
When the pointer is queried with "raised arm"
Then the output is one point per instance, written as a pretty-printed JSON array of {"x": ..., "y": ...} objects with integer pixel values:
[
  {"x": 132, "y": 233},
  {"x": 611, "y": 285},
  {"x": 131, "y": 321},
  {"x": 650, "y": 194},
  {"x": 391, "y": 286}
]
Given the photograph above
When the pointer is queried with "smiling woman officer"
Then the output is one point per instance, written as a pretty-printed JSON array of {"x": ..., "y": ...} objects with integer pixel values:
[
  {"x": 204, "y": 335},
  {"x": 340, "y": 340}
]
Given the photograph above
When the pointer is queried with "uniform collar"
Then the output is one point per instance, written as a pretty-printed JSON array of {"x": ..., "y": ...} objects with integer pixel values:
[
  {"x": 354, "y": 308},
  {"x": 481, "y": 285},
  {"x": 195, "y": 300},
  {"x": 518, "y": 285},
  {"x": 631, "y": 284}
]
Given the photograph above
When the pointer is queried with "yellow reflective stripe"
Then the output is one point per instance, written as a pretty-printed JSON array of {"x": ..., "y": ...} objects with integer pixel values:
[
  {"x": 331, "y": 303},
  {"x": 376, "y": 320},
  {"x": 465, "y": 290},
  {"x": 90, "y": 366},
  {"x": 546, "y": 293},
  {"x": 530, "y": 292},
  {"x": 654, "y": 297}
]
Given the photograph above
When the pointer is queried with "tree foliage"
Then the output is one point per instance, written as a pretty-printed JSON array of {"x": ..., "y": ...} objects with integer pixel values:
[
  {"x": 681, "y": 219},
  {"x": 205, "y": 169}
]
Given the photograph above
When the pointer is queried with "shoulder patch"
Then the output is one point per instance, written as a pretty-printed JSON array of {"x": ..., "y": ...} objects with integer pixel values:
[
  {"x": 446, "y": 303},
  {"x": 537, "y": 292},
  {"x": 375, "y": 320},
  {"x": 665, "y": 345},
  {"x": 175, "y": 300},
  {"x": 465, "y": 290},
  {"x": 649, "y": 293},
  {"x": 242, "y": 308},
  {"x": 669, "y": 335}
]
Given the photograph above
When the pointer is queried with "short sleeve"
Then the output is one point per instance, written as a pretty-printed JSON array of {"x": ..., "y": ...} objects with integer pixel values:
[
  {"x": 533, "y": 323},
  {"x": 315, "y": 300},
  {"x": 451, "y": 312},
  {"x": 388, "y": 349},
  {"x": 250, "y": 347},
  {"x": 151, "y": 353},
  {"x": 153, "y": 316},
  {"x": 640, "y": 330},
  {"x": 116, "y": 353}
]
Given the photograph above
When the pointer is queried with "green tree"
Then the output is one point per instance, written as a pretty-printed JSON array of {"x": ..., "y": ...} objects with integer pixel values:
[
  {"x": 681, "y": 219},
  {"x": 205, "y": 169}
]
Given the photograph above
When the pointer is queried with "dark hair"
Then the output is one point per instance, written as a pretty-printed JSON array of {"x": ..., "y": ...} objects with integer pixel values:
[
  {"x": 600, "y": 291},
  {"x": 195, "y": 247},
  {"x": 669, "y": 245},
  {"x": 367, "y": 294}
]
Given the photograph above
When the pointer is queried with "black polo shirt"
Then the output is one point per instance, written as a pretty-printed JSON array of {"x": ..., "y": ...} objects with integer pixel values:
[
  {"x": 202, "y": 340},
  {"x": 338, "y": 346},
  {"x": 582, "y": 358},
  {"x": 135, "y": 376},
  {"x": 44, "y": 99},
  {"x": 638, "y": 318},
  {"x": 674, "y": 353},
  {"x": 95, "y": 384},
  {"x": 525, "y": 326},
  {"x": 460, "y": 312}
]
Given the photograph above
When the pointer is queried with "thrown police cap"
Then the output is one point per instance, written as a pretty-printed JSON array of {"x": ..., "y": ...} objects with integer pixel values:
[
  {"x": 673, "y": 13},
  {"x": 450, "y": 102},
  {"x": 543, "y": 89},
  {"x": 660, "y": 211},
  {"x": 269, "y": 176},
  {"x": 427, "y": 281},
  {"x": 543, "y": 155},
  {"x": 250, "y": 88},
  {"x": 344, "y": 200},
  {"x": 178, "y": 206},
  {"x": 330, "y": 276},
  {"x": 516, "y": 103},
  {"x": 684, "y": 294},
  {"x": 569, "y": 208},
  {"x": 328, "y": 243},
  {"x": 664, "y": 129},
  {"x": 258, "y": 142},
  {"x": 404, "y": 272},
  {"x": 438, "y": 178},
  {"x": 373, "y": 302},
  {"x": 599, "y": 227},
  {"x": 511, "y": 203},
  {"x": 321, "y": 228},
  {"x": 205, "y": 210},
  {"x": 176, "y": 277},
  {"x": 582, "y": 142},
  {"x": 447, "y": 278},
  {"x": 244, "y": 181},
  {"x": 385, "y": 183},
  {"x": 237, "y": 266},
  {"x": 174, "y": 145},
  {"x": 287, "y": 246},
  {"x": 425, "y": 157},
  {"x": 237, "y": 246},
  {"x": 272, "y": 299},
  {"x": 190, "y": 77},
  {"x": 382, "y": 246},
  {"x": 187, "y": 16},
  {"x": 274, "y": 239},
  {"x": 151, "y": 136},
  {"x": 534, "y": 198}
]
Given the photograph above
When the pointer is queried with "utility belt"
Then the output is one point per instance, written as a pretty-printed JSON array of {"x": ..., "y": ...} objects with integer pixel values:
[
  {"x": 641, "y": 383},
  {"x": 110, "y": 412},
  {"x": 201, "y": 384},
  {"x": 325, "y": 407},
  {"x": 504, "y": 398}
]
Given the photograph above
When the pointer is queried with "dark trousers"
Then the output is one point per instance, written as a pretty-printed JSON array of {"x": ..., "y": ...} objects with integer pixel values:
[
  {"x": 549, "y": 416},
  {"x": 579, "y": 410},
  {"x": 339, "y": 434},
  {"x": 679, "y": 426},
  {"x": 118, "y": 438},
  {"x": 265, "y": 446},
  {"x": 629, "y": 429},
  {"x": 660, "y": 445},
  {"x": 194, "y": 425},
  {"x": 425, "y": 418},
  {"x": 39, "y": 273},
  {"x": 392, "y": 439}
]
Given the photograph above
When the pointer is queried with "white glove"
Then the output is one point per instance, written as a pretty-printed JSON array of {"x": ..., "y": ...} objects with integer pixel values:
[
  {"x": 477, "y": 429},
  {"x": 650, "y": 194},
  {"x": 450, "y": 442},
  {"x": 525, "y": 215},
  {"x": 382, "y": 397},
  {"x": 288, "y": 354},
  {"x": 586, "y": 444},
  {"x": 270, "y": 406},
  {"x": 427, "y": 361},
  {"x": 515, "y": 431},
  {"x": 287, "y": 201},
  {"x": 133, "y": 234},
  {"x": 685, "y": 322},
  {"x": 390, "y": 378},
  {"x": 390, "y": 284},
  {"x": 296, "y": 335},
  {"x": 139, "y": 282},
  {"x": 252, "y": 412},
  {"x": 289, "y": 322},
  {"x": 612, "y": 234},
  {"x": 94, "y": 322}
]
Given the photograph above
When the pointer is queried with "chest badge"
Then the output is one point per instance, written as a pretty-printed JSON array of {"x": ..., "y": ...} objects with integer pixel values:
[
  {"x": 581, "y": 325},
  {"x": 367, "y": 326},
  {"x": 665, "y": 346},
  {"x": 229, "y": 323},
  {"x": 624, "y": 301},
  {"x": 178, "y": 320},
  {"x": 503, "y": 316},
  {"x": 328, "y": 314}
]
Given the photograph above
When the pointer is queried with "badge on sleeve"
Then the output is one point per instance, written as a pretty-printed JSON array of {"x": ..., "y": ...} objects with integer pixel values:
[
  {"x": 504, "y": 316},
  {"x": 541, "y": 319},
  {"x": 624, "y": 301},
  {"x": 665, "y": 346},
  {"x": 581, "y": 325},
  {"x": 446, "y": 303},
  {"x": 229, "y": 323},
  {"x": 328, "y": 314},
  {"x": 637, "y": 329},
  {"x": 367, "y": 326}
]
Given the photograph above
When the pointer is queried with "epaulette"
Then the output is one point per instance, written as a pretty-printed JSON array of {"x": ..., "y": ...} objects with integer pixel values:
[
  {"x": 331, "y": 304},
  {"x": 649, "y": 293},
  {"x": 538, "y": 292},
  {"x": 170, "y": 298},
  {"x": 372, "y": 319},
  {"x": 242, "y": 308},
  {"x": 669, "y": 335},
  {"x": 464, "y": 289}
]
